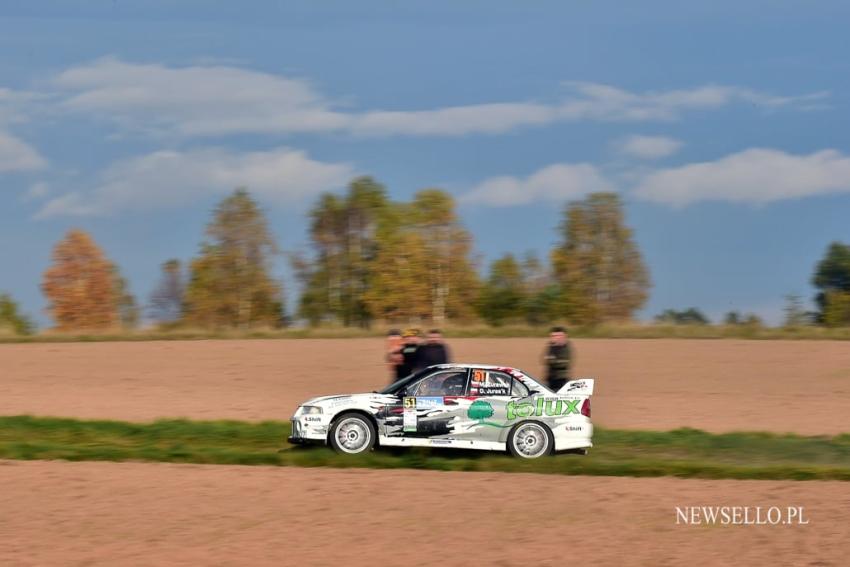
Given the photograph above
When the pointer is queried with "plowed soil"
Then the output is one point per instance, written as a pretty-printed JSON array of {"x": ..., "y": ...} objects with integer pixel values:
[
  {"x": 161, "y": 514},
  {"x": 716, "y": 385}
]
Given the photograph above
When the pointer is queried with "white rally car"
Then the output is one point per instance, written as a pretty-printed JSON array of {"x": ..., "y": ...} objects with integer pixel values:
[{"x": 465, "y": 406}]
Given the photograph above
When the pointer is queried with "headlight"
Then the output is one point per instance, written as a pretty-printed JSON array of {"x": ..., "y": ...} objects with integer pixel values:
[{"x": 309, "y": 410}]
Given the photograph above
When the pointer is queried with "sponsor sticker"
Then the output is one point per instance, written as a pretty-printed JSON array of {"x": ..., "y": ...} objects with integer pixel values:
[
  {"x": 494, "y": 391},
  {"x": 543, "y": 406},
  {"x": 428, "y": 402},
  {"x": 409, "y": 415}
]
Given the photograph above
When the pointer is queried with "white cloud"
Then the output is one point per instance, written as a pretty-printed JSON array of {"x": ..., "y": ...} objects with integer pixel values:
[
  {"x": 13, "y": 105},
  {"x": 16, "y": 155},
  {"x": 208, "y": 100},
  {"x": 604, "y": 102},
  {"x": 36, "y": 191},
  {"x": 196, "y": 100},
  {"x": 649, "y": 147},
  {"x": 558, "y": 183},
  {"x": 163, "y": 179},
  {"x": 755, "y": 176}
]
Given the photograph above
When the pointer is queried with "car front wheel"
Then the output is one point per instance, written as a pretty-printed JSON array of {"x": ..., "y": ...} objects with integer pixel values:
[
  {"x": 530, "y": 440},
  {"x": 352, "y": 434}
]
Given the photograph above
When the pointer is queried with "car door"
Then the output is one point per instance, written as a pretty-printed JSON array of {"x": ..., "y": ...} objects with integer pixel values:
[
  {"x": 490, "y": 392},
  {"x": 425, "y": 411}
]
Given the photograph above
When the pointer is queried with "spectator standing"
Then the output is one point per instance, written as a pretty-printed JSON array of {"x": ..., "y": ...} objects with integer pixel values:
[
  {"x": 434, "y": 351},
  {"x": 557, "y": 358},
  {"x": 393, "y": 357},
  {"x": 410, "y": 352}
]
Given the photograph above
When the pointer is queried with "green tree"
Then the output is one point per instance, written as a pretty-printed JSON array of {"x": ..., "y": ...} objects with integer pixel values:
[
  {"x": 502, "y": 296},
  {"x": 365, "y": 208},
  {"x": 832, "y": 278},
  {"x": 732, "y": 318},
  {"x": 230, "y": 284},
  {"x": 837, "y": 313},
  {"x": 690, "y": 316},
  {"x": 321, "y": 280},
  {"x": 598, "y": 266},
  {"x": 541, "y": 293},
  {"x": 11, "y": 319},
  {"x": 399, "y": 288},
  {"x": 344, "y": 233},
  {"x": 373, "y": 258},
  {"x": 795, "y": 313},
  {"x": 452, "y": 280},
  {"x": 125, "y": 302}
]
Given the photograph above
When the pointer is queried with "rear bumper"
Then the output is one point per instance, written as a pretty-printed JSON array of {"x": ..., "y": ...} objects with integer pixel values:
[{"x": 576, "y": 434}]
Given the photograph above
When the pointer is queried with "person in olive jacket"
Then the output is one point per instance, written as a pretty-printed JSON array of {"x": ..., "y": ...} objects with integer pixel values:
[{"x": 557, "y": 358}]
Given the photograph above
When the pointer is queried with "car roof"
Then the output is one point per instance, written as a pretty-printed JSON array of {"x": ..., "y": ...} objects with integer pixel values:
[
  {"x": 481, "y": 366},
  {"x": 509, "y": 369},
  {"x": 500, "y": 367}
]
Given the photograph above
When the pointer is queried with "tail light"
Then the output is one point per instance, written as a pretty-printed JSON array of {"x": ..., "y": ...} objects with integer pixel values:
[{"x": 585, "y": 408}]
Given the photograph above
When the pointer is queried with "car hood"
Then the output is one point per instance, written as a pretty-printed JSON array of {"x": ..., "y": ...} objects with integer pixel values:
[{"x": 349, "y": 399}]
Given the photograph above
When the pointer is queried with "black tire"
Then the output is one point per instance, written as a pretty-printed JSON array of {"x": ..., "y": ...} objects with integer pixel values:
[
  {"x": 352, "y": 434},
  {"x": 530, "y": 440}
]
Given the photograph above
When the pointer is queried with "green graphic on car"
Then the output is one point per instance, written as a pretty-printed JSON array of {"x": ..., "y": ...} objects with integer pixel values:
[
  {"x": 542, "y": 406},
  {"x": 481, "y": 410}
]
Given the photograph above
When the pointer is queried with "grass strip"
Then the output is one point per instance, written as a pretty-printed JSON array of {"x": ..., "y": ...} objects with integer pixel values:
[
  {"x": 610, "y": 331},
  {"x": 685, "y": 453}
]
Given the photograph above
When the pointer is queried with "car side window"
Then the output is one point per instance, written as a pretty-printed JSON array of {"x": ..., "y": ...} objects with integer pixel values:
[
  {"x": 519, "y": 389},
  {"x": 490, "y": 383},
  {"x": 448, "y": 383}
]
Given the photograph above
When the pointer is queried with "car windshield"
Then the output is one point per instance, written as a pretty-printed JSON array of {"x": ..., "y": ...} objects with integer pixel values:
[{"x": 396, "y": 386}]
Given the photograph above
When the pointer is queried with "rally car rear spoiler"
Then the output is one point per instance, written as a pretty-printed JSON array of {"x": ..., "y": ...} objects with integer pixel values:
[{"x": 578, "y": 387}]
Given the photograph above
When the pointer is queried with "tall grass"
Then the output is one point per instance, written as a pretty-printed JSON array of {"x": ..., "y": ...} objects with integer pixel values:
[{"x": 682, "y": 452}]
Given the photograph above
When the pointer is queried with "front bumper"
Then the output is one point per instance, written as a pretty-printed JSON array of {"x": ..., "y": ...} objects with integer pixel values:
[{"x": 308, "y": 429}]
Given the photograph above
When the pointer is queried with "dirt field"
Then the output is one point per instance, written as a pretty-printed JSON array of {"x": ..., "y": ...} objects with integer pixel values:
[
  {"x": 716, "y": 385},
  {"x": 159, "y": 514},
  {"x": 59, "y": 513}
]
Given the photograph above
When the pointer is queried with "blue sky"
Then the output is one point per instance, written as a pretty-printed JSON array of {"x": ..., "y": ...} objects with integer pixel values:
[{"x": 723, "y": 126}]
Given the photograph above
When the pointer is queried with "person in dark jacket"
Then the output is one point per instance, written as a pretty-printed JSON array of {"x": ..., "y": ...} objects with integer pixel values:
[
  {"x": 557, "y": 358},
  {"x": 434, "y": 351},
  {"x": 410, "y": 353}
]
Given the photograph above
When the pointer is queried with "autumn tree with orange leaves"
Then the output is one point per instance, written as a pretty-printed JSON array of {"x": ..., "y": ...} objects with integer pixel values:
[{"x": 80, "y": 285}]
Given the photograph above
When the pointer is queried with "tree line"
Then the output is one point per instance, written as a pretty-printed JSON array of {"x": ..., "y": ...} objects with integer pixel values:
[{"x": 372, "y": 259}]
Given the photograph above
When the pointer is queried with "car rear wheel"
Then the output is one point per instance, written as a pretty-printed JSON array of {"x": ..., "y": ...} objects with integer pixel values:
[
  {"x": 352, "y": 433},
  {"x": 530, "y": 440}
]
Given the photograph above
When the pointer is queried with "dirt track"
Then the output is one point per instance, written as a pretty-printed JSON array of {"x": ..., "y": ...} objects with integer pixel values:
[
  {"x": 58, "y": 513},
  {"x": 159, "y": 514},
  {"x": 717, "y": 385}
]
